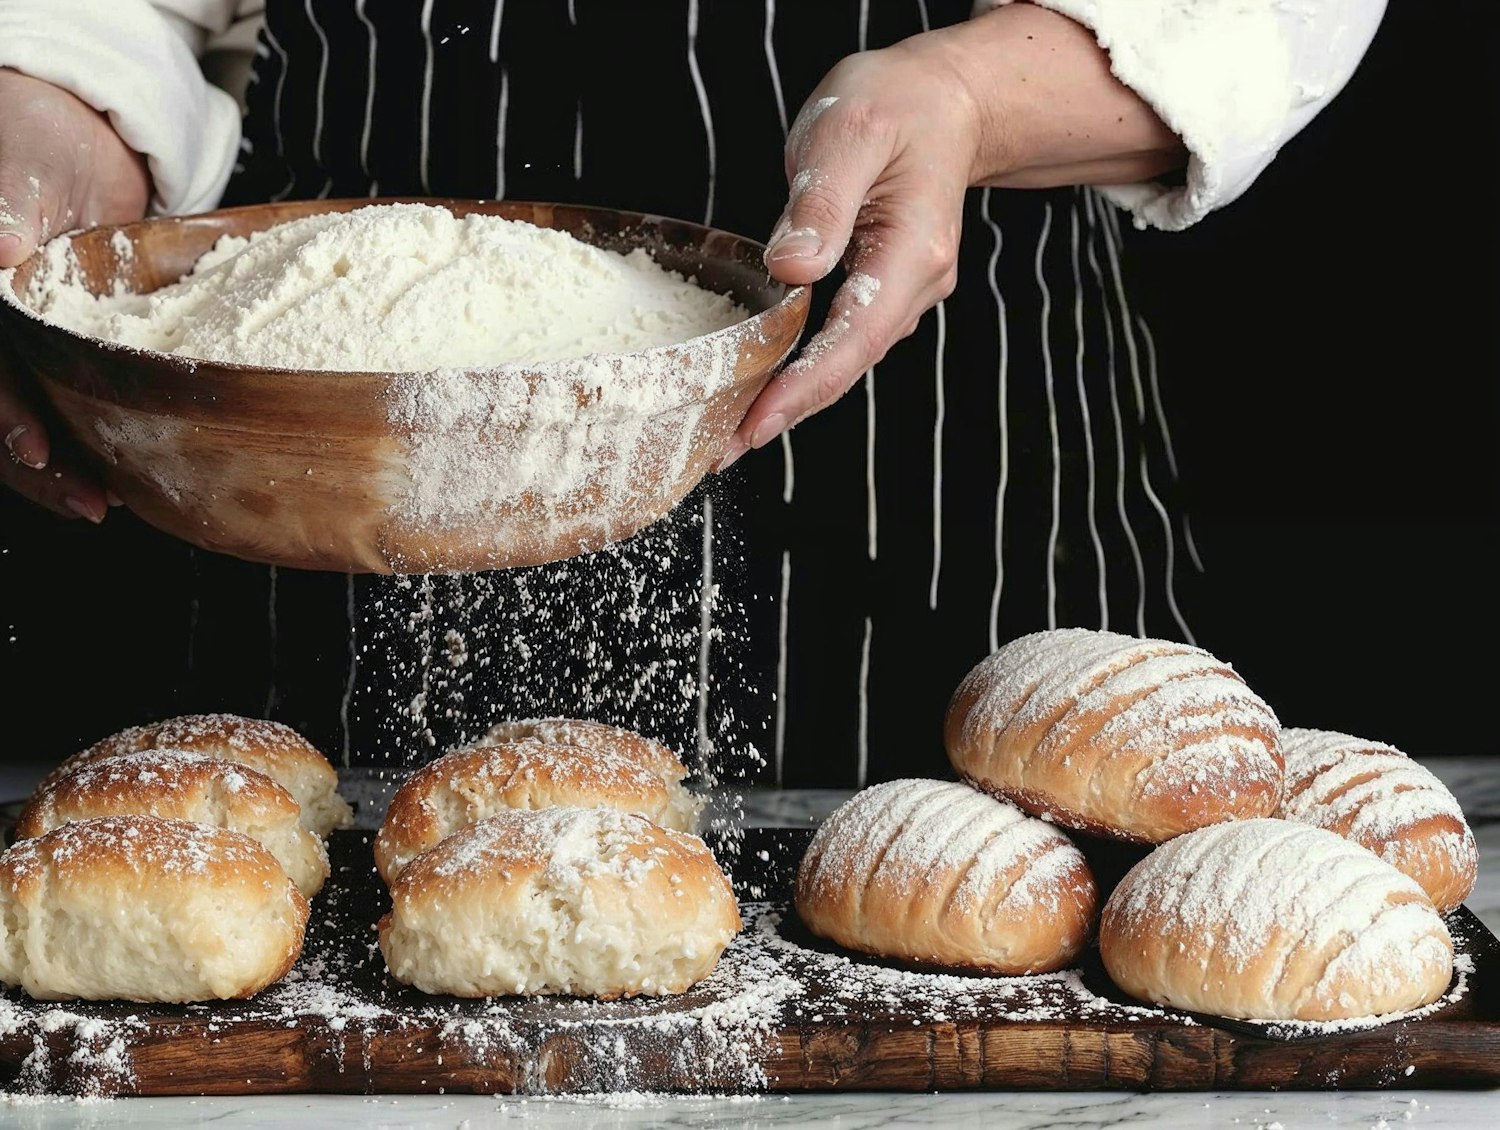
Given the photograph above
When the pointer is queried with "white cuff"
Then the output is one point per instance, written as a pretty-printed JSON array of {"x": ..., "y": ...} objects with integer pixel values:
[
  {"x": 1234, "y": 79},
  {"x": 124, "y": 59}
]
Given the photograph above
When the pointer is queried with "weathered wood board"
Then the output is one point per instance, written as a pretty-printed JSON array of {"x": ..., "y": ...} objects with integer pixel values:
[{"x": 784, "y": 1012}]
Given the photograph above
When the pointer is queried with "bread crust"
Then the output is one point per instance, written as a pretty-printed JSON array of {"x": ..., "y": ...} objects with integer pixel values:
[
  {"x": 138, "y": 908},
  {"x": 937, "y": 873},
  {"x": 467, "y": 785},
  {"x": 582, "y": 901},
  {"x": 177, "y": 785},
  {"x": 581, "y": 733},
  {"x": 1274, "y": 920},
  {"x": 268, "y": 747},
  {"x": 1375, "y": 795},
  {"x": 1136, "y": 740}
]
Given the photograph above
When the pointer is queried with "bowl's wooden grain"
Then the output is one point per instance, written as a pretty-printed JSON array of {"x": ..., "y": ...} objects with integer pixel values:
[{"x": 302, "y": 468}]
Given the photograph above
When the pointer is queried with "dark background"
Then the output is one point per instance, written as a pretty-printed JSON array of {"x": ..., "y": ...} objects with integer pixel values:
[{"x": 1329, "y": 350}]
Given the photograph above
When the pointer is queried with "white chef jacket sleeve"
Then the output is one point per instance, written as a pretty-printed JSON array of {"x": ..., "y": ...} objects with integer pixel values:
[
  {"x": 1235, "y": 79},
  {"x": 137, "y": 62}
]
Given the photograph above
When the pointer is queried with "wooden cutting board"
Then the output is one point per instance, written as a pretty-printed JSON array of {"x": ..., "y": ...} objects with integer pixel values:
[{"x": 783, "y": 1012}]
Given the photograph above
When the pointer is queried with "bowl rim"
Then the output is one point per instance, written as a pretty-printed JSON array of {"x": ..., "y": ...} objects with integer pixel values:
[{"x": 794, "y": 295}]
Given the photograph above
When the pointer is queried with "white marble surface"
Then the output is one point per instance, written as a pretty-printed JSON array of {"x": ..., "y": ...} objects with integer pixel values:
[
  {"x": 1012, "y": 1111},
  {"x": 1476, "y": 782}
]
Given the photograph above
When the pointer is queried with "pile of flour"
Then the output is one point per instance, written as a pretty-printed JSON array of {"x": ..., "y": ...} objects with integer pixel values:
[{"x": 394, "y": 288}]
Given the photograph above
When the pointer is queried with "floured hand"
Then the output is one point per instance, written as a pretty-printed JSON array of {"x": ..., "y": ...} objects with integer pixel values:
[
  {"x": 881, "y": 155},
  {"x": 62, "y": 167}
]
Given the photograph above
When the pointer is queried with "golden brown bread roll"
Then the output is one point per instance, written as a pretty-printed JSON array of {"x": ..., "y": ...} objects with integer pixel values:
[
  {"x": 136, "y": 908},
  {"x": 175, "y": 785},
  {"x": 268, "y": 747},
  {"x": 939, "y": 873},
  {"x": 467, "y": 785},
  {"x": 1375, "y": 795},
  {"x": 1274, "y": 920},
  {"x": 615, "y": 740},
  {"x": 1133, "y": 739},
  {"x": 584, "y": 901}
]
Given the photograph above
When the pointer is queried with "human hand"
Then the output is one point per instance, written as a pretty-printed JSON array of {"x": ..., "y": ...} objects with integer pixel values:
[
  {"x": 880, "y": 157},
  {"x": 62, "y": 166}
]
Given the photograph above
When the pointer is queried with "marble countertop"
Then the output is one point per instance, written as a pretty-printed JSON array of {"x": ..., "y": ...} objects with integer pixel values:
[{"x": 1476, "y": 782}]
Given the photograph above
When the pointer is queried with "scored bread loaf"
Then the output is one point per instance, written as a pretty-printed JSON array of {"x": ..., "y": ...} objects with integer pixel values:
[
  {"x": 176, "y": 785},
  {"x": 627, "y": 745},
  {"x": 268, "y": 747},
  {"x": 467, "y": 785},
  {"x": 1274, "y": 920},
  {"x": 136, "y": 908},
  {"x": 938, "y": 873},
  {"x": 1134, "y": 739},
  {"x": 1375, "y": 795},
  {"x": 583, "y": 901}
]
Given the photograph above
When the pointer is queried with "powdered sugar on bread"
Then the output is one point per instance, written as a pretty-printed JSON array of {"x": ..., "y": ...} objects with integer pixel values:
[
  {"x": 937, "y": 872},
  {"x": 1137, "y": 739},
  {"x": 585, "y": 901},
  {"x": 468, "y": 785},
  {"x": 182, "y": 785},
  {"x": 272, "y": 748},
  {"x": 1377, "y": 796},
  {"x": 1273, "y": 920},
  {"x": 137, "y": 908}
]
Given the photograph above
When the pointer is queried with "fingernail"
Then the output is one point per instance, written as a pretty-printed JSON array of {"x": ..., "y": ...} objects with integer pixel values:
[
  {"x": 10, "y": 247},
  {"x": 113, "y": 499},
  {"x": 768, "y": 429},
  {"x": 732, "y": 451},
  {"x": 83, "y": 509},
  {"x": 799, "y": 243},
  {"x": 24, "y": 449}
]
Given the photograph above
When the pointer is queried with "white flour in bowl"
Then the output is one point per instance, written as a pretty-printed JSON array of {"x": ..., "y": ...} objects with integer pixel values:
[{"x": 393, "y": 288}]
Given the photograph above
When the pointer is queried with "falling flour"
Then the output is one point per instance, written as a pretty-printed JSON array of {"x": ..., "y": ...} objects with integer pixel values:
[{"x": 393, "y": 288}]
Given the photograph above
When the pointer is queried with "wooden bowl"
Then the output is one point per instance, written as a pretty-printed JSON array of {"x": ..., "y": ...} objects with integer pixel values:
[{"x": 376, "y": 472}]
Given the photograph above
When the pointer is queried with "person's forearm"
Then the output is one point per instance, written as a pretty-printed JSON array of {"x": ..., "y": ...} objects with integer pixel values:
[{"x": 1050, "y": 111}]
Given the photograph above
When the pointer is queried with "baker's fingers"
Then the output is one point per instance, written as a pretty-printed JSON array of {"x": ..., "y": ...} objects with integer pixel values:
[
  {"x": 61, "y": 488},
  {"x": 22, "y": 429},
  {"x": 20, "y": 212},
  {"x": 902, "y": 275},
  {"x": 836, "y": 150},
  {"x": 62, "y": 166},
  {"x": 31, "y": 467}
]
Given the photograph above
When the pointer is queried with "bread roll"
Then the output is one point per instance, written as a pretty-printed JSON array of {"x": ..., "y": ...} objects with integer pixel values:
[
  {"x": 136, "y": 908},
  {"x": 939, "y": 873},
  {"x": 1376, "y": 796},
  {"x": 467, "y": 785},
  {"x": 585, "y": 901},
  {"x": 1137, "y": 740},
  {"x": 268, "y": 747},
  {"x": 615, "y": 740},
  {"x": 184, "y": 786},
  {"x": 1274, "y": 920}
]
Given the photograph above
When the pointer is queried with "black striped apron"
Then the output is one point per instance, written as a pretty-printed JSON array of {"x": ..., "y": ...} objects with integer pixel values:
[{"x": 1007, "y": 468}]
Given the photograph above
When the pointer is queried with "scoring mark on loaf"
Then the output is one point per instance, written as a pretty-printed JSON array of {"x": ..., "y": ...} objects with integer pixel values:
[
  {"x": 1138, "y": 738},
  {"x": 1367, "y": 788},
  {"x": 936, "y": 871},
  {"x": 1271, "y": 919},
  {"x": 1375, "y": 795}
]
